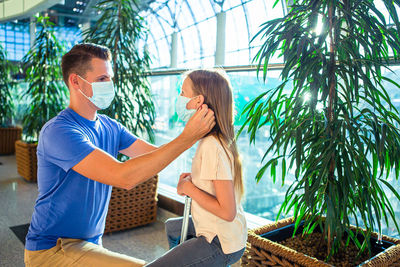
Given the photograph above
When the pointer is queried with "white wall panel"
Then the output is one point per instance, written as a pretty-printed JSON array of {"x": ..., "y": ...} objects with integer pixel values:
[{"x": 18, "y": 9}]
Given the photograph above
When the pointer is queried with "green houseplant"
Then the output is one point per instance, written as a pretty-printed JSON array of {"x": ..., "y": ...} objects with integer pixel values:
[
  {"x": 337, "y": 127},
  {"x": 119, "y": 28},
  {"x": 9, "y": 133},
  {"x": 46, "y": 93}
]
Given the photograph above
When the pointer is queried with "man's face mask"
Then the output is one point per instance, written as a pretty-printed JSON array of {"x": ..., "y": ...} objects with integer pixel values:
[
  {"x": 103, "y": 93},
  {"x": 180, "y": 106}
]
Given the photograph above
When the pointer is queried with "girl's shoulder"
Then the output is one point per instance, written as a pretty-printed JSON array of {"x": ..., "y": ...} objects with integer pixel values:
[
  {"x": 210, "y": 141},
  {"x": 211, "y": 144}
]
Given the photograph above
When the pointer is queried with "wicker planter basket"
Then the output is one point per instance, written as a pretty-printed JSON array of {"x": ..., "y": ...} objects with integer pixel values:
[
  {"x": 8, "y": 136},
  {"x": 26, "y": 160},
  {"x": 132, "y": 208},
  {"x": 263, "y": 252}
]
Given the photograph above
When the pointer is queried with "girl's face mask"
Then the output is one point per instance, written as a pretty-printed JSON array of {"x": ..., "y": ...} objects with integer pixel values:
[
  {"x": 180, "y": 106},
  {"x": 103, "y": 93}
]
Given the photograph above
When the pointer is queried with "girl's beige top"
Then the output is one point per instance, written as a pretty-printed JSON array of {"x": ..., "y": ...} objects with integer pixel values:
[{"x": 212, "y": 163}]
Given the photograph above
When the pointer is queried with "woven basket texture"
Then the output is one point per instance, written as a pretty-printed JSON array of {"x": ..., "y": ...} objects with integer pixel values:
[
  {"x": 26, "y": 160},
  {"x": 263, "y": 252},
  {"x": 8, "y": 136},
  {"x": 132, "y": 208}
]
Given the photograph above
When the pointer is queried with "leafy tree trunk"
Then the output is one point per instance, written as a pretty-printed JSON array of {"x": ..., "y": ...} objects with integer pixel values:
[
  {"x": 116, "y": 50},
  {"x": 331, "y": 108}
]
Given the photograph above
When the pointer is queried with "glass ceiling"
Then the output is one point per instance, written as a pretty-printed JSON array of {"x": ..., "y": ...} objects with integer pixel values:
[{"x": 195, "y": 22}]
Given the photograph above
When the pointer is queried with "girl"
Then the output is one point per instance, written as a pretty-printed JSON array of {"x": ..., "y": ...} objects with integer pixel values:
[{"x": 218, "y": 225}]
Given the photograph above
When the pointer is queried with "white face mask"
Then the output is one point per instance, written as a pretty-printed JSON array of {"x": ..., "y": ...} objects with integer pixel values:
[
  {"x": 103, "y": 93},
  {"x": 180, "y": 107}
]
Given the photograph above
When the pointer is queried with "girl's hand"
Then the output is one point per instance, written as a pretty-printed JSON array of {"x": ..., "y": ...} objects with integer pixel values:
[{"x": 185, "y": 181}]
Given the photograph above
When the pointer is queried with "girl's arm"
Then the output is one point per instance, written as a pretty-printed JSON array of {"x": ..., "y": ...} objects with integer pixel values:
[{"x": 223, "y": 204}]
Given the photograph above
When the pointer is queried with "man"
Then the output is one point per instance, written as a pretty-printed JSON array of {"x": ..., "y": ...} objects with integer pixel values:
[{"x": 77, "y": 166}]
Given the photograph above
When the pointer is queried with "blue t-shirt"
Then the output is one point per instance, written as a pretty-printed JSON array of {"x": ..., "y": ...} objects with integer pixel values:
[{"x": 70, "y": 205}]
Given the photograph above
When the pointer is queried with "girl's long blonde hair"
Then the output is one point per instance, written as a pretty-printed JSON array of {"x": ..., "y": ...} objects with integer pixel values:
[{"x": 214, "y": 85}]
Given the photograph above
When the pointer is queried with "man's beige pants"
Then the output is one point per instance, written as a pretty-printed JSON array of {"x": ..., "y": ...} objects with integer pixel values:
[{"x": 76, "y": 252}]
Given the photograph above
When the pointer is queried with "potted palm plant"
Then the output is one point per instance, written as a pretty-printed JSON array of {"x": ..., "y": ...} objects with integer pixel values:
[
  {"x": 337, "y": 128},
  {"x": 46, "y": 93},
  {"x": 9, "y": 133},
  {"x": 119, "y": 28}
]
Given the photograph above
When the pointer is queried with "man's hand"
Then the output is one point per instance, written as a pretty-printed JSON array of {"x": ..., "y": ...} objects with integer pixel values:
[
  {"x": 185, "y": 181},
  {"x": 199, "y": 124}
]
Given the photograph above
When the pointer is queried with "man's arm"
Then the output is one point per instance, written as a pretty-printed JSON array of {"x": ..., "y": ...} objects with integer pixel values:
[
  {"x": 102, "y": 167},
  {"x": 139, "y": 147}
]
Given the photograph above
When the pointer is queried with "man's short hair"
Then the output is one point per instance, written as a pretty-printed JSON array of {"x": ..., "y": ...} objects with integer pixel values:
[{"x": 78, "y": 59}]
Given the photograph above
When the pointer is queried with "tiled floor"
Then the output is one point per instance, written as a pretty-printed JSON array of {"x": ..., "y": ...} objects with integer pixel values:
[{"x": 17, "y": 198}]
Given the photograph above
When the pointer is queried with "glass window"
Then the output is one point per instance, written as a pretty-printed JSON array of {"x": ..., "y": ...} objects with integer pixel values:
[
  {"x": 201, "y": 9},
  {"x": 165, "y": 14},
  {"x": 236, "y": 30},
  {"x": 10, "y": 47},
  {"x": 187, "y": 17},
  {"x": 159, "y": 52},
  {"x": 238, "y": 57},
  {"x": 196, "y": 22},
  {"x": 208, "y": 35},
  {"x": 19, "y": 35},
  {"x": 16, "y": 38},
  {"x": 158, "y": 28},
  {"x": 258, "y": 11},
  {"x": 19, "y": 48},
  {"x": 191, "y": 45},
  {"x": 12, "y": 37},
  {"x": 232, "y": 4}
]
